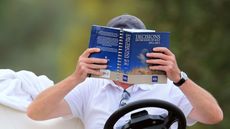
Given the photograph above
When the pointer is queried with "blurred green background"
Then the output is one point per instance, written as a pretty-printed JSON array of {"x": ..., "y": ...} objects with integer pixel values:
[{"x": 47, "y": 36}]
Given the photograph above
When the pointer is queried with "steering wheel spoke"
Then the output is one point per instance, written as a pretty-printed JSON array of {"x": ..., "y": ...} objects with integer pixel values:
[{"x": 170, "y": 119}]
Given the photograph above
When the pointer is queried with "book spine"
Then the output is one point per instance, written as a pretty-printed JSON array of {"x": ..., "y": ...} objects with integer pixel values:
[{"x": 119, "y": 55}]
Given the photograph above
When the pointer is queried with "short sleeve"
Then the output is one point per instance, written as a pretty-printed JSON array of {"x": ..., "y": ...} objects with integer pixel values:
[
  {"x": 183, "y": 103},
  {"x": 186, "y": 107},
  {"x": 77, "y": 100}
]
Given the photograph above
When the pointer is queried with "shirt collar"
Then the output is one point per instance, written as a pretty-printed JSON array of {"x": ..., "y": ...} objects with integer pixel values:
[
  {"x": 145, "y": 87},
  {"x": 110, "y": 83}
]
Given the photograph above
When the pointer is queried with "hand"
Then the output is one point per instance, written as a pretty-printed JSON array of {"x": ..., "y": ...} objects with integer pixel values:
[
  {"x": 86, "y": 65},
  {"x": 166, "y": 61}
]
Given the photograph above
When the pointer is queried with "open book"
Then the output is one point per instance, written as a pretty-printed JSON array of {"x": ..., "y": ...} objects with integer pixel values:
[{"x": 125, "y": 50}]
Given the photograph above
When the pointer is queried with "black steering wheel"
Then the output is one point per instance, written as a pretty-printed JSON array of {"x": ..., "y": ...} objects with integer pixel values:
[{"x": 156, "y": 122}]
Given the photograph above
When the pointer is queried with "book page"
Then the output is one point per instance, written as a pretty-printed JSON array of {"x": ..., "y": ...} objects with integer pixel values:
[{"x": 138, "y": 30}]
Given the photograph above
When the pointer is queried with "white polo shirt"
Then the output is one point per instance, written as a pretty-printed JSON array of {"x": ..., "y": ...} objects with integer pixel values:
[{"x": 94, "y": 100}]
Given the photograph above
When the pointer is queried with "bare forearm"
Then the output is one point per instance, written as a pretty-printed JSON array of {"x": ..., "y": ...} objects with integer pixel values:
[
  {"x": 48, "y": 101},
  {"x": 206, "y": 108}
]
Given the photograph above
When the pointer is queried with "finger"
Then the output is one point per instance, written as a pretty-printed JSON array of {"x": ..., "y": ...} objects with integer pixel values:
[
  {"x": 95, "y": 60},
  {"x": 95, "y": 72},
  {"x": 156, "y": 62},
  {"x": 158, "y": 55},
  {"x": 162, "y": 50},
  {"x": 94, "y": 66},
  {"x": 158, "y": 67},
  {"x": 89, "y": 51}
]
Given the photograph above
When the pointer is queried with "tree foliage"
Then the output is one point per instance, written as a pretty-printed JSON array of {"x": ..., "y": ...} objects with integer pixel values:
[{"x": 47, "y": 37}]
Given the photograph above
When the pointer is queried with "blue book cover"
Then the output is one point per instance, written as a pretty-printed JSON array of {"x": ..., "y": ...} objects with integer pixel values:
[{"x": 125, "y": 51}]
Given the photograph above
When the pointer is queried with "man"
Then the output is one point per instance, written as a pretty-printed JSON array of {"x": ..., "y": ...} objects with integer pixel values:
[{"x": 93, "y": 100}]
